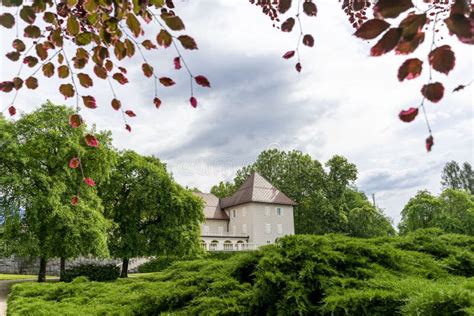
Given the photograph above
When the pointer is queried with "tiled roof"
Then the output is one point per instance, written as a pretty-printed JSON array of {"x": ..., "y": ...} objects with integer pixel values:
[
  {"x": 256, "y": 189},
  {"x": 212, "y": 209}
]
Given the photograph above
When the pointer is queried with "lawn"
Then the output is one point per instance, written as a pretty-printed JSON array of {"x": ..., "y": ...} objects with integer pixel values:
[
  {"x": 427, "y": 273},
  {"x": 4, "y": 277}
]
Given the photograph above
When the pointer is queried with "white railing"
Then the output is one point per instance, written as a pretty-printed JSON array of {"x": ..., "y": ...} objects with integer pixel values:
[
  {"x": 229, "y": 246},
  {"x": 224, "y": 234}
]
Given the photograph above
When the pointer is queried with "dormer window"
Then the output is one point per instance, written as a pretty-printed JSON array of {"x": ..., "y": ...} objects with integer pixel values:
[
  {"x": 233, "y": 213},
  {"x": 279, "y": 212}
]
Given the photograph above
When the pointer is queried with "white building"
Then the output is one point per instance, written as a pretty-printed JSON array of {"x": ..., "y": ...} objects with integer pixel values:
[{"x": 257, "y": 214}]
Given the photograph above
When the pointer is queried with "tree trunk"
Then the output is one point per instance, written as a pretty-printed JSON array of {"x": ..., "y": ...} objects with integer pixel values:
[
  {"x": 42, "y": 271},
  {"x": 62, "y": 269},
  {"x": 124, "y": 273}
]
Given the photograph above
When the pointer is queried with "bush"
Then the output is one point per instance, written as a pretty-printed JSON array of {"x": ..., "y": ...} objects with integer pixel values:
[{"x": 93, "y": 272}]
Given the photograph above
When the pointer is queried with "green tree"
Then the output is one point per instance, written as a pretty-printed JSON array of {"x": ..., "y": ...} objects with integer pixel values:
[
  {"x": 152, "y": 214},
  {"x": 223, "y": 189},
  {"x": 368, "y": 221},
  {"x": 455, "y": 177},
  {"x": 37, "y": 185},
  {"x": 452, "y": 211}
]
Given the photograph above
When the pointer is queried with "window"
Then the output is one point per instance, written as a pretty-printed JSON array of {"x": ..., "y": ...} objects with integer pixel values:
[
  {"x": 267, "y": 210},
  {"x": 213, "y": 245},
  {"x": 280, "y": 229},
  {"x": 233, "y": 213},
  {"x": 244, "y": 228},
  {"x": 279, "y": 211},
  {"x": 269, "y": 242},
  {"x": 268, "y": 228},
  {"x": 244, "y": 212}
]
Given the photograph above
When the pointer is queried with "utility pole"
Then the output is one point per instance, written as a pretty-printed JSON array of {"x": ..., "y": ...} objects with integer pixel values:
[{"x": 373, "y": 198}]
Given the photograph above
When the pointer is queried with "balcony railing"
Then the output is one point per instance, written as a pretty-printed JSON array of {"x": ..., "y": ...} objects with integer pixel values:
[
  {"x": 223, "y": 234},
  {"x": 229, "y": 246}
]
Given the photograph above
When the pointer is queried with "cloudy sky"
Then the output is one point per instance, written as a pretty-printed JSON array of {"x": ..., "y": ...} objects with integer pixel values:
[{"x": 344, "y": 102}]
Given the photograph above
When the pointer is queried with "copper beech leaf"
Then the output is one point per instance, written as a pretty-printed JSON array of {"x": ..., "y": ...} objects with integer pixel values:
[
  {"x": 75, "y": 120},
  {"x": 391, "y": 8},
  {"x": 85, "y": 80},
  {"x": 13, "y": 56},
  {"x": 442, "y": 59},
  {"x": 308, "y": 40},
  {"x": 289, "y": 54},
  {"x": 31, "y": 83},
  {"x": 310, "y": 8},
  {"x": 63, "y": 71},
  {"x": 120, "y": 78},
  {"x": 11, "y": 110},
  {"x": 7, "y": 20},
  {"x": 18, "y": 45},
  {"x": 32, "y": 31},
  {"x": 406, "y": 47},
  {"x": 72, "y": 27},
  {"x": 459, "y": 88},
  {"x": 17, "y": 83},
  {"x": 130, "y": 113},
  {"x": 100, "y": 72},
  {"x": 429, "y": 143},
  {"x": 410, "y": 69},
  {"x": 164, "y": 38},
  {"x": 287, "y": 26},
  {"x": 371, "y": 29},
  {"x": 6, "y": 86},
  {"x": 408, "y": 115},
  {"x": 89, "y": 102},
  {"x": 128, "y": 128},
  {"x": 193, "y": 102},
  {"x": 41, "y": 51},
  {"x": 31, "y": 61},
  {"x": 148, "y": 44},
  {"x": 67, "y": 90},
  {"x": 187, "y": 42},
  {"x": 284, "y": 5},
  {"x": 167, "y": 82},
  {"x": 89, "y": 182},
  {"x": 157, "y": 102},
  {"x": 116, "y": 104},
  {"x": 202, "y": 81},
  {"x": 91, "y": 141},
  {"x": 298, "y": 67},
  {"x": 172, "y": 21},
  {"x": 177, "y": 63},
  {"x": 147, "y": 70},
  {"x": 74, "y": 163},
  {"x": 388, "y": 42},
  {"x": 433, "y": 91},
  {"x": 412, "y": 25},
  {"x": 27, "y": 14},
  {"x": 133, "y": 24}
]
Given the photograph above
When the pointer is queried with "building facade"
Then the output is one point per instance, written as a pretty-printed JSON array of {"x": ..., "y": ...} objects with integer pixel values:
[{"x": 257, "y": 214}]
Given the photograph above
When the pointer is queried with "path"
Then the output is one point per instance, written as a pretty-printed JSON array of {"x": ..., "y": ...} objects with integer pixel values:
[{"x": 4, "y": 290}]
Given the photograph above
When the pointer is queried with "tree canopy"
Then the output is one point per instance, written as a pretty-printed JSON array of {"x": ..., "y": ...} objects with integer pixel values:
[
  {"x": 36, "y": 184},
  {"x": 152, "y": 214},
  {"x": 327, "y": 199},
  {"x": 458, "y": 178},
  {"x": 452, "y": 211}
]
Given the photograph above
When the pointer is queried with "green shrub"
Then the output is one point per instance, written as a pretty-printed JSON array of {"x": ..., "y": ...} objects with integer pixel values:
[{"x": 93, "y": 272}]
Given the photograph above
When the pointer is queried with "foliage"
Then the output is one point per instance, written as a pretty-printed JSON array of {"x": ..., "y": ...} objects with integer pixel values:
[
  {"x": 304, "y": 275},
  {"x": 37, "y": 184},
  {"x": 152, "y": 214},
  {"x": 452, "y": 211},
  {"x": 326, "y": 199},
  {"x": 105, "y": 34},
  {"x": 93, "y": 272},
  {"x": 455, "y": 177}
]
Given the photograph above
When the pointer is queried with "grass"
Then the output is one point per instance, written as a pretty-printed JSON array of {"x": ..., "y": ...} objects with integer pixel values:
[
  {"x": 8, "y": 277},
  {"x": 427, "y": 273}
]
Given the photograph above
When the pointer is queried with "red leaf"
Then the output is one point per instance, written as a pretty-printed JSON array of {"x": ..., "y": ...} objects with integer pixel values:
[
  {"x": 442, "y": 59},
  {"x": 148, "y": 44},
  {"x": 167, "y": 82},
  {"x": 74, "y": 200},
  {"x": 386, "y": 43},
  {"x": 187, "y": 42},
  {"x": 89, "y": 101},
  {"x": 410, "y": 69},
  {"x": 89, "y": 182},
  {"x": 284, "y": 5},
  {"x": 202, "y": 81},
  {"x": 164, "y": 38},
  {"x": 74, "y": 163},
  {"x": 130, "y": 113},
  {"x": 308, "y": 40},
  {"x": 75, "y": 120},
  {"x": 298, "y": 67},
  {"x": 371, "y": 29},
  {"x": 157, "y": 102},
  {"x": 12, "y": 110},
  {"x": 289, "y": 54},
  {"x": 147, "y": 70},
  {"x": 116, "y": 104},
  {"x": 408, "y": 115},
  {"x": 429, "y": 143},
  {"x": 412, "y": 25},
  {"x": 287, "y": 26},
  {"x": 310, "y": 8},
  {"x": 406, "y": 47},
  {"x": 433, "y": 91},
  {"x": 120, "y": 78},
  {"x": 462, "y": 27},
  {"x": 91, "y": 141},
  {"x": 128, "y": 128},
  {"x": 177, "y": 63},
  {"x": 391, "y": 8},
  {"x": 7, "y": 86},
  {"x": 193, "y": 102}
]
